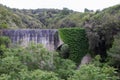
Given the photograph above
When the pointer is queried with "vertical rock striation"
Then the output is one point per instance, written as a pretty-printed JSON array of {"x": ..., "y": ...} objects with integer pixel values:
[{"x": 48, "y": 37}]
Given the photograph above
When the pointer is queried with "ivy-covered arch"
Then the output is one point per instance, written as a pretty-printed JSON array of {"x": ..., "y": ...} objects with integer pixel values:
[{"x": 77, "y": 41}]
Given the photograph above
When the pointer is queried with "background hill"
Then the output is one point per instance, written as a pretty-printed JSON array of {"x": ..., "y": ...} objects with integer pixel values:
[
  {"x": 39, "y": 18},
  {"x": 54, "y": 18}
]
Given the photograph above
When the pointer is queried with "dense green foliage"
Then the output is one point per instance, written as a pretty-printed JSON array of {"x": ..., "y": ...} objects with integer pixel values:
[
  {"x": 4, "y": 40},
  {"x": 36, "y": 63},
  {"x": 4, "y": 43},
  {"x": 34, "y": 18},
  {"x": 95, "y": 71},
  {"x": 54, "y": 18},
  {"x": 101, "y": 27},
  {"x": 33, "y": 63},
  {"x": 22, "y": 64},
  {"x": 9, "y": 19},
  {"x": 63, "y": 51},
  {"x": 92, "y": 72},
  {"x": 114, "y": 52},
  {"x": 77, "y": 41},
  {"x": 40, "y": 18}
]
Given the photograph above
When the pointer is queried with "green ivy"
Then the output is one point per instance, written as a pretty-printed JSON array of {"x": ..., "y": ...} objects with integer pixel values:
[{"x": 77, "y": 41}]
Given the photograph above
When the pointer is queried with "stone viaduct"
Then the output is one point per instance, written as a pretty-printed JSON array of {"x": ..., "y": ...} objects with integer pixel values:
[{"x": 49, "y": 38}]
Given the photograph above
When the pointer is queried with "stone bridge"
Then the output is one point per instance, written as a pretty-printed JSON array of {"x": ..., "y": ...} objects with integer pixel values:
[{"x": 48, "y": 37}]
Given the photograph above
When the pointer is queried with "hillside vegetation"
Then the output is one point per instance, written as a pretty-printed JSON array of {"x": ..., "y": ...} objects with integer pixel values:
[
  {"x": 40, "y": 18},
  {"x": 100, "y": 29},
  {"x": 54, "y": 18}
]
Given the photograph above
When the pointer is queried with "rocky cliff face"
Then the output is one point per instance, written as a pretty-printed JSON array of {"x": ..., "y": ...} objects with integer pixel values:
[{"x": 48, "y": 37}]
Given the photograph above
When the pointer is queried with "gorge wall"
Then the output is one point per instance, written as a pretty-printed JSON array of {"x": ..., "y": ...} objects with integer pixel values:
[{"x": 48, "y": 37}]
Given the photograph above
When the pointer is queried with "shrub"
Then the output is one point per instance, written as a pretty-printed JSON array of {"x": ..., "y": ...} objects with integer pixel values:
[
  {"x": 30, "y": 75},
  {"x": 114, "y": 52},
  {"x": 4, "y": 40},
  {"x": 34, "y": 63},
  {"x": 91, "y": 72},
  {"x": 64, "y": 67},
  {"x": 25, "y": 64},
  {"x": 3, "y": 25},
  {"x": 63, "y": 51},
  {"x": 34, "y": 57},
  {"x": 37, "y": 75},
  {"x": 77, "y": 41},
  {"x": 95, "y": 71},
  {"x": 4, "y": 77},
  {"x": 10, "y": 64}
]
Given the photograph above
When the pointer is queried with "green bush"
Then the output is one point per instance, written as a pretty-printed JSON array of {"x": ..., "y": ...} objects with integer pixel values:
[
  {"x": 34, "y": 63},
  {"x": 34, "y": 57},
  {"x": 10, "y": 64},
  {"x": 91, "y": 72},
  {"x": 4, "y": 77},
  {"x": 4, "y": 43},
  {"x": 77, "y": 41},
  {"x": 63, "y": 51},
  {"x": 95, "y": 71},
  {"x": 30, "y": 75},
  {"x": 114, "y": 52},
  {"x": 64, "y": 67},
  {"x": 3, "y": 26},
  {"x": 27, "y": 63},
  {"x": 37, "y": 75}
]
